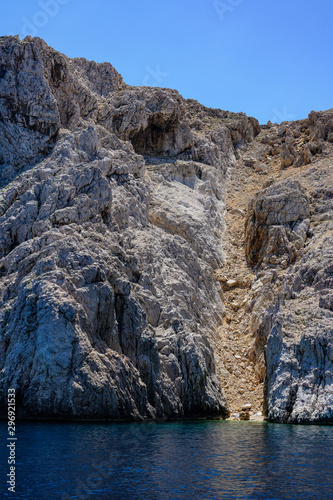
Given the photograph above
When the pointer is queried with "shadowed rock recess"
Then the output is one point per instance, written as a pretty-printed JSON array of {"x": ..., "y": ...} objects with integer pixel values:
[{"x": 113, "y": 241}]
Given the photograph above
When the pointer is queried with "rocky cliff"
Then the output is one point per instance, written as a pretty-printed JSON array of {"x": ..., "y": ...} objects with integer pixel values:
[
  {"x": 159, "y": 259},
  {"x": 111, "y": 219},
  {"x": 277, "y": 334}
]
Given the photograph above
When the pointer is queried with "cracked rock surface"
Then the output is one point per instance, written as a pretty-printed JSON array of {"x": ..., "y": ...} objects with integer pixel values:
[
  {"x": 277, "y": 335},
  {"x": 111, "y": 211},
  {"x": 158, "y": 259},
  {"x": 299, "y": 356}
]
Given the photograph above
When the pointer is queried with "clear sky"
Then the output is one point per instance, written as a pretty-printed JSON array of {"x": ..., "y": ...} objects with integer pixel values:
[{"x": 270, "y": 59}]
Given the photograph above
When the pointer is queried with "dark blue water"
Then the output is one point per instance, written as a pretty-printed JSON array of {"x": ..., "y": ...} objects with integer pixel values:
[{"x": 192, "y": 460}]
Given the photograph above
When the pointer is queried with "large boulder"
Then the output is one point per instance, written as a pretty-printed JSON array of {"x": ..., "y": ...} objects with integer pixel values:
[{"x": 277, "y": 223}]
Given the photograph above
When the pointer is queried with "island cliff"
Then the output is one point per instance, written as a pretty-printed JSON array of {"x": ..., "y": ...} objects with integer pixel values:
[{"x": 120, "y": 276}]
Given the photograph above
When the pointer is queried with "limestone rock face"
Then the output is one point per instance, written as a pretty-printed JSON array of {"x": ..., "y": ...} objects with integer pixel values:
[
  {"x": 29, "y": 113},
  {"x": 128, "y": 290},
  {"x": 289, "y": 240},
  {"x": 111, "y": 213},
  {"x": 277, "y": 223},
  {"x": 151, "y": 121},
  {"x": 299, "y": 355},
  {"x": 300, "y": 348},
  {"x": 42, "y": 91},
  {"x": 277, "y": 334}
]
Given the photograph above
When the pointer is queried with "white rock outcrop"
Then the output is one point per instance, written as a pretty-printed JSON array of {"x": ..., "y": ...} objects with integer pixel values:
[{"x": 111, "y": 211}]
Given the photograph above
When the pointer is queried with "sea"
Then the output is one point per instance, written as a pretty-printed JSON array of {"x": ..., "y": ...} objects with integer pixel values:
[{"x": 192, "y": 460}]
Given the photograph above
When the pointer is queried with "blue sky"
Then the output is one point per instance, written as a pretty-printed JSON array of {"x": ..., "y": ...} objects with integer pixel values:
[{"x": 270, "y": 59}]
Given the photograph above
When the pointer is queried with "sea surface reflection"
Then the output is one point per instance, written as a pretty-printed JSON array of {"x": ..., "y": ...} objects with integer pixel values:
[{"x": 182, "y": 460}]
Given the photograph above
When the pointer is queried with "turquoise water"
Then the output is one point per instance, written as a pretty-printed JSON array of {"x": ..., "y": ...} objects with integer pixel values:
[{"x": 185, "y": 460}]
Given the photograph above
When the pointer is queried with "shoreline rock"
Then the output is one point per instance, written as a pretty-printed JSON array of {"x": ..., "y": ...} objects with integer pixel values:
[
  {"x": 111, "y": 212},
  {"x": 117, "y": 273}
]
